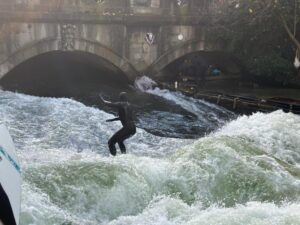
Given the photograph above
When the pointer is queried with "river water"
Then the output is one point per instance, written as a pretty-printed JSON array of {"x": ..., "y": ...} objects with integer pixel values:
[{"x": 236, "y": 170}]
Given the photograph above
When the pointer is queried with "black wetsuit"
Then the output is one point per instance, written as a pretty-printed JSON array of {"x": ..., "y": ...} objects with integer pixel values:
[
  {"x": 126, "y": 117},
  {"x": 6, "y": 213}
]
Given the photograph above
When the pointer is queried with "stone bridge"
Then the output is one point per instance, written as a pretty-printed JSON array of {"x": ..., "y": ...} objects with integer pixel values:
[{"x": 132, "y": 36}]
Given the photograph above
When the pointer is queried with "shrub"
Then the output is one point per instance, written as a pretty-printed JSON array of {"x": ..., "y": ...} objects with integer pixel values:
[{"x": 271, "y": 68}]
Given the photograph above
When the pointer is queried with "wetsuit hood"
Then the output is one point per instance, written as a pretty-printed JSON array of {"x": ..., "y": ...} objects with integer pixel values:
[{"x": 123, "y": 96}]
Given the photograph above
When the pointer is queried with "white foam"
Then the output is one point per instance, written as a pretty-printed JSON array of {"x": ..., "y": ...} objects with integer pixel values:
[
  {"x": 170, "y": 211},
  {"x": 69, "y": 178},
  {"x": 277, "y": 133}
]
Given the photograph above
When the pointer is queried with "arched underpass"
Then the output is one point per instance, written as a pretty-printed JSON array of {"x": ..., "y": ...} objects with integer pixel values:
[
  {"x": 64, "y": 74},
  {"x": 195, "y": 65}
]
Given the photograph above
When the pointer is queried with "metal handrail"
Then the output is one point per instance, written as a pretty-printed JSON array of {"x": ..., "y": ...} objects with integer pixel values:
[{"x": 46, "y": 8}]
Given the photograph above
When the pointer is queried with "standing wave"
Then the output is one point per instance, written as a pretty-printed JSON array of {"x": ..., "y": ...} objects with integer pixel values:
[
  {"x": 247, "y": 172},
  {"x": 209, "y": 116}
]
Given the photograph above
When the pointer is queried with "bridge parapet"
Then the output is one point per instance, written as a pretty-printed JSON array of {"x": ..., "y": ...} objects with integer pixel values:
[{"x": 123, "y": 8}]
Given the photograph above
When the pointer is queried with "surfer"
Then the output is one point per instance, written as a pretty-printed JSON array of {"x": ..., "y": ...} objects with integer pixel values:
[{"x": 125, "y": 113}]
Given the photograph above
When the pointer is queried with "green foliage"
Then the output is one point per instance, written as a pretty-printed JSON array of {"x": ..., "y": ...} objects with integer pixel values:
[
  {"x": 271, "y": 68},
  {"x": 252, "y": 31}
]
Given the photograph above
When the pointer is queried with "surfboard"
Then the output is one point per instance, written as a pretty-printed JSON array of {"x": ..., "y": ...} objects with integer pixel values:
[{"x": 10, "y": 174}]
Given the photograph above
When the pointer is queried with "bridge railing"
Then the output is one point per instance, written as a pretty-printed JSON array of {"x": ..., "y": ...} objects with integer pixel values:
[
  {"x": 52, "y": 7},
  {"x": 92, "y": 9}
]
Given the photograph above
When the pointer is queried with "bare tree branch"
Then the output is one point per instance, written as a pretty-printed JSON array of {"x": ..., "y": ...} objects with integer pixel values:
[{"x": 289, "y": 32}]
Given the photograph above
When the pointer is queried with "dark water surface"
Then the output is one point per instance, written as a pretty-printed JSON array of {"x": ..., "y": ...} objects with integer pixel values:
[{"x": 160, "y": 112}]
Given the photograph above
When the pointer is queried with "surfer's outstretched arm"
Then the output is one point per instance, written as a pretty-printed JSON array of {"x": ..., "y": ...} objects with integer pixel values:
[{"x": 115, "y": 105}]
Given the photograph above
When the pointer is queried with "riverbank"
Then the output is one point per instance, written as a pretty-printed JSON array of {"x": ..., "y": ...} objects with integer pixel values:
[
  {"x": 259, "y": 92},
  {"x": 245, "y": 100}
]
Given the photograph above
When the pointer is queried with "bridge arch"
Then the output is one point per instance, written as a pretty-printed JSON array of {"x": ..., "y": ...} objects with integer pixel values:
[
  {"x": 175, "y": 53},
  {"x": 80, "y": 45}
]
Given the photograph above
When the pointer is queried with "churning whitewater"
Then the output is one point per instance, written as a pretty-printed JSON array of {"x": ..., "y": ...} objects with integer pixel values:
[{"x": 247, "y": 172}]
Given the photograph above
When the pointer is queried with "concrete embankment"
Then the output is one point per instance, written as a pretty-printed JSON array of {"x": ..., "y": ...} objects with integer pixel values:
[{"x": 247, "y": 101}]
